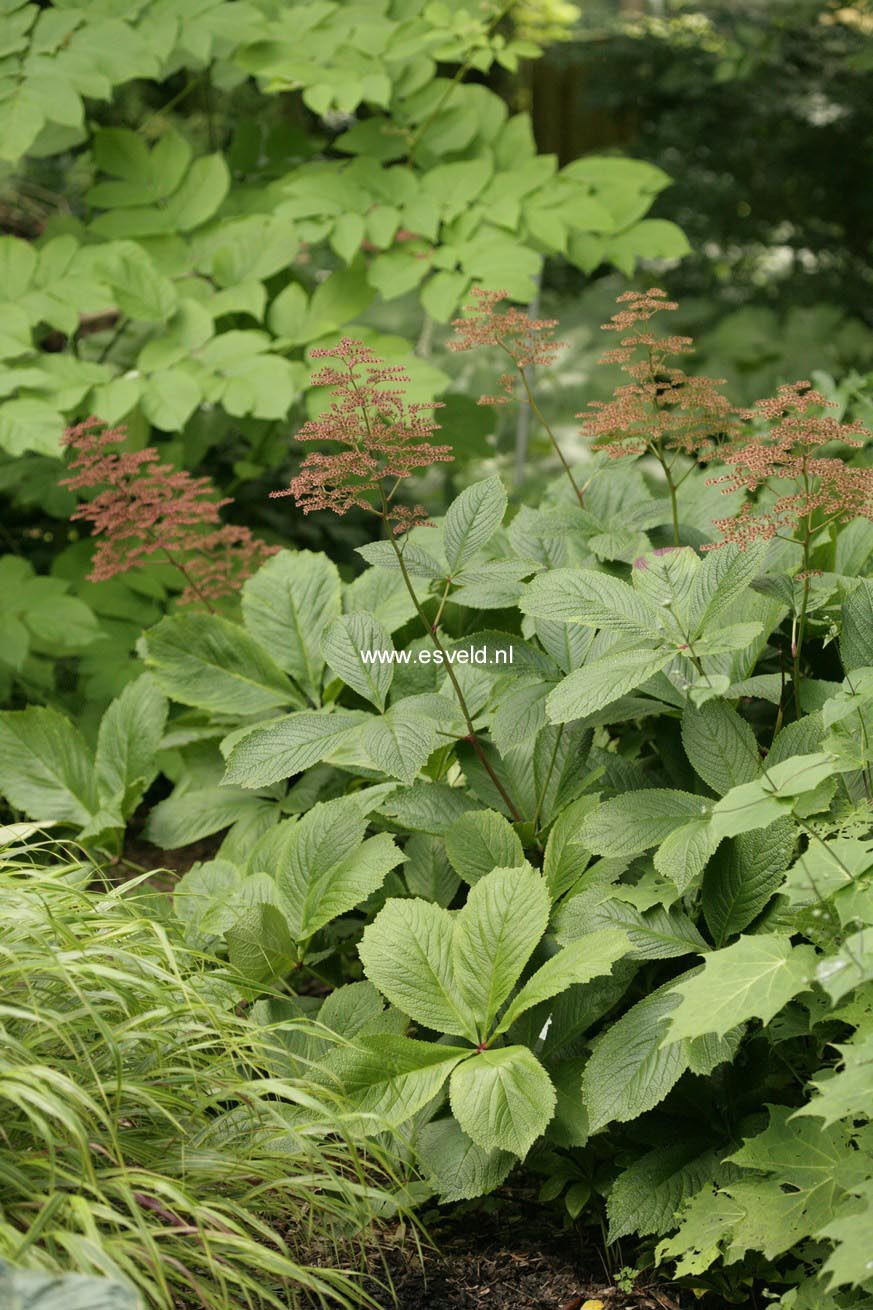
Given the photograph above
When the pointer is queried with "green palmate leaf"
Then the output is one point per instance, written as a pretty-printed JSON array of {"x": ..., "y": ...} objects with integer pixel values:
[
  {"x": 46, "y": 769},
  {"x": 457, "y": 1167},
  {"x": 724, "y": 574},
  {"x": 566, "y": 856},
  {"x": 37, "y": 1289},
  {"x": 646, "y": 1197},
  {"x": 758, "y": 804},
  {"x": 598, "y": 684},
  {"x": 288, "y": 746},
  {"x": 287, "y": 605},
  {"x": 683, "y": 855},
  {"x": 400, "y": 741},
  {"x": 753, "y": 978},
  {"x": 193, "y": 813},
  {"x": 593, "y": 599},
  {"x": 407, "y": 952},
  {"x": 393, "y": 1077},
  {"x": 852, "y": 1234},
  {"x": 629, "y": 824},
  {"x": 427, "y": 870},
  {"x": 720, "y": 745},
  {"x": 846, "y": 1093},
  {"x": 630, "y": 1071},
  {"x": 577, "y": 963},
  {"x": 495, "y": 934},
  {"x": 482, "y": 840},
  {"x": 856, "y": 642},
  {"x": 742, "y": 877},
  {"x": 503, "y": 1099},
  {"x": 471, "y": 521},
  {"x": 358, "y": 649},
  {"x": 326, "y": 868},
  {"x": 851, "y": 967},
  {"x": 417, "y": 562},
  {"x": 203, "y": 660},
  {"x": 129, "y": 737},
  {"x": 259, "y": 943}
]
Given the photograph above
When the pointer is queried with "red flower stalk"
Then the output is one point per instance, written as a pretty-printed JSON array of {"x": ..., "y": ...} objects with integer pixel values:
[
  {"x": 149, "y": 509},
  {"x": 662, "y": 410},
  {"x": 527, "y": 341},
  {"x": 386, "y": 438},
  {"x": 826, "y": 490}
]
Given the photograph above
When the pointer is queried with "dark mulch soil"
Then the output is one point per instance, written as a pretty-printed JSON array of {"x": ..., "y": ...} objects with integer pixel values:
[{"x": 508, "y": 1261}]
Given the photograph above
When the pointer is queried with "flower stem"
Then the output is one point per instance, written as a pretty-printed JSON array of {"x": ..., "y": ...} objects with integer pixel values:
[
  {"x": 472, "y": 738},
  {"x": 547, "y": 429}
]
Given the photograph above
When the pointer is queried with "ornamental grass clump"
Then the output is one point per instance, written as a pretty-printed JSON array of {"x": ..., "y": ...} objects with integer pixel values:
[{"x": 145, "y": 509}]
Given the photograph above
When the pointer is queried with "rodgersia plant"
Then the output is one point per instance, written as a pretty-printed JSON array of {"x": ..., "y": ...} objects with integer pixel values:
[{"x": 605, "y": 907}]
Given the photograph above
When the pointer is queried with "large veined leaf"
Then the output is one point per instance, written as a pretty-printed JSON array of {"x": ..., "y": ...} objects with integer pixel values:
[
  {"x": 288, "y": 746},
  {"x": 636, "y": 821},
  {"x": 46, "y": 769},
  {"x": 598, "y": 684},
  {"x": 203, "y": 660},
  {"x": 400, "y": 741},
  {"x": 753, "y": 978},
  {"x": 326, "y": 868},
  {"x": 593, "y": 599},
  {"x": 666, "y": 578},
  {"x": 653, "y": 934},
  {"x": 856, "y": 642},
  {"x": 287, "y": 605},
  {"x": 472, "y": 519},
  {"x": 359, "y": 651},
  {"x": 195, "y": 812},
  {"x": 503, "y": 1099},
  {"x": 683, "y": 855},
  {"x": 259, "y": 944},
  {"x": 720, "y": 745},
  {"x": 566, "y": 856},
  {"x": 577, "y": 963},
  {"x": 427, "y": 871},
  {"x": 646, "y": 1197},
  {"x": 129, "y": 736},
  {"x": 630, "y": 1071},
  {"x": 495, "y": 935},
  {"x": 392, "y": 1077},
  {"x": 724, "y": 574},
  {"x": 457, "y": 1167},
  {"x": 407, "y": 952},
  {"x": 37, "y": 1289},
  {"x": 743, "y": 875},
  {"x": 758, "y": 804},
  {"x": 482, "y": 840}
]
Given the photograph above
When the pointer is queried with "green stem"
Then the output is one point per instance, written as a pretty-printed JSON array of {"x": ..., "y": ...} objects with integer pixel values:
[
  {"x": 549, "y": 433},
  {"x": 472, "y": 738}
]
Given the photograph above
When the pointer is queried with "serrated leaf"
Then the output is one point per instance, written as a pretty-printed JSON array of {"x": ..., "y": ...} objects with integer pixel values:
[
  {"x": 286, "y": 606},
  {"x": 647, "y": 1196},
  {"x": 46, "y": 769},
  {"x": 482, "y": 840},
  {"x": 758, "y": 804},
  {"x": 587, "y": 690},
  {"x": 129, "y": 736},
  {"x": 358, "y": 649},
  {"x": 720, "y": 746},
  {"x": 566, "y": 856},
  {"x": 725, "y": 573},
  {"x": 471, "y": 521},
  {"x": 579, "y": 962},
  {"x": 495, "y": 935},
  {"x": 743, "y": 875},
  {"x": 458, "y": 1168},
  {"x": 392, "y": 1077},
  {"x": 629, "y": 1071},
  {"x": 629, "y": 824},
  {"x": 417, "y": 562},
  {"x": 259, "y": 944},
  {"x": 593, "y": 599},
  {"x": 204, "y": 660},
  {"x": 289, "y": 745},
  {"x": 503, "y": 1099},
  {"x": 427, "y": 871},
  {"x": 326, "y": 868},
  {"x": 407, "y": 952},
  {"x": 684, "y": 854},
  {"x": 399, "y": 742},
  {"x": 752, "y": 979}
]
